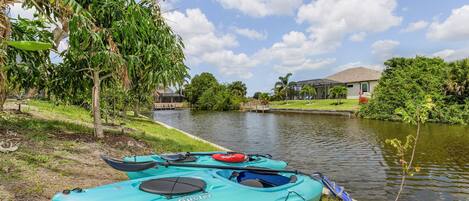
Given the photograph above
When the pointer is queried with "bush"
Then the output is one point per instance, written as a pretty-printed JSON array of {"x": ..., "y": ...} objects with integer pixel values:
[
  {"x": 217, "y": 96},
  {"x": 411, "y": 79}
]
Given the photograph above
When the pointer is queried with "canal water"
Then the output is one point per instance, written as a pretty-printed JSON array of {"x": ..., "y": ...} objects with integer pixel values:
[{"x": 351, "y": 151}]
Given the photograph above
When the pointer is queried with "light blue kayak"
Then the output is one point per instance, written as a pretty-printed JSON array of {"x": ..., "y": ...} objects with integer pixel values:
[
  {"x": 253, "y": 160},
  {"x": 205, "y": 185}
]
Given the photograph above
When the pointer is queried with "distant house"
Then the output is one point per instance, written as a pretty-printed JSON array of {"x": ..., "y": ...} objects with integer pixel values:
[
  {"x": 167, "y": 95},
  {"x": 167, "y": 99},
  {"x": 358, "y": 80}
]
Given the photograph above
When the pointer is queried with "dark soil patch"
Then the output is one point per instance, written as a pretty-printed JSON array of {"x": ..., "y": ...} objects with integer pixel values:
[{"x": 121, "y": 141}]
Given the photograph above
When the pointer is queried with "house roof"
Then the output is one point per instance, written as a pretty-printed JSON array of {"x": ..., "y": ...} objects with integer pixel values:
[
  {"x": 169, "y": 95},
  {"x": 316, "y": 82},
  {"x": 356, "y": 74}
]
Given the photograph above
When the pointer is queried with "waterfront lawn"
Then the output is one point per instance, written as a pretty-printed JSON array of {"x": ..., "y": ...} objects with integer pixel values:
[
  {"x": 320, "y": 104},
  {"x": 163, "y": 139},
  {"x": 57, "y": 151}
]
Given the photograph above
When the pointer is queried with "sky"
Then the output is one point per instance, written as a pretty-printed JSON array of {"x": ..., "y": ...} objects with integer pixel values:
[{"x": 256, "y": 41}]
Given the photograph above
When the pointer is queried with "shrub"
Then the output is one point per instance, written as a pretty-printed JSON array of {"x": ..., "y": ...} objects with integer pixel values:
[{"x": 411, "y": 79}]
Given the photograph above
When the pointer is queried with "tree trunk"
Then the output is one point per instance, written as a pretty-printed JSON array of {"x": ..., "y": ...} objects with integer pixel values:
[
  {"x": 98, "y": 127},
  {"x": 3, "y": 90},
  {"x": 136, "y": 109},
  {"x": 124, "y": 111}
]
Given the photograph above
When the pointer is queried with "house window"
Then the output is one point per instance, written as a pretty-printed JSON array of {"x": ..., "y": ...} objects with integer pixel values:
[
  {"x": 365, "y": 87},
  {"x": 350, "y": 86}
]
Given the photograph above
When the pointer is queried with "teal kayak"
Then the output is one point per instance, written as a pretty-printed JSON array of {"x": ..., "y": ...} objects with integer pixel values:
[
  {"x": 254, "y": 160},
  {"x": 204, "y": 185}
]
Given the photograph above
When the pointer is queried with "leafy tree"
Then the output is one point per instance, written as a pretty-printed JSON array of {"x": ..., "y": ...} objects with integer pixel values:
[
  {"x": 238, "y": 88},
  {"x": 116, "y": 45},
  {"x": 284, "y": 86},
  {"x": 29, "y": 69},
  {"x": 457, "y": 82},
  {"x": 145, "y": 75},
  {"x": 405, "y": 79},
  {"x": 62, "y": 9},
  {"x": 218, "y": 98},
  {"x": 113, "y": 101},
  {"x": 198, "y": 85},
  {"x": 308, "y": 91},
  {"x": 338, "y": 92},
  {"x": 264, "y": 98},
  {"x": 256, "y": 95}
]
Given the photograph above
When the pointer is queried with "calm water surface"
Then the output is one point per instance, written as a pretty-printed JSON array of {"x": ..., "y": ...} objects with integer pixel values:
[{"x": 352, "y": 151}]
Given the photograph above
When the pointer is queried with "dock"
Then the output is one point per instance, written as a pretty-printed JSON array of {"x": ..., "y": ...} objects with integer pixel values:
[{"x": 167, "y": 106}]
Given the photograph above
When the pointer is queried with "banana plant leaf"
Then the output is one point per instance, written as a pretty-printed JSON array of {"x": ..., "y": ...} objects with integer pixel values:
[{"x": 30, "y": 45}]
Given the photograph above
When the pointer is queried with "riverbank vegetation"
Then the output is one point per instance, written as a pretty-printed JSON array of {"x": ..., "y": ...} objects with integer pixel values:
[
  {"x": 56, "y": 148},
  {"x": 317, "y": 104},
  {"x": 204, "y": 92},
  {"x": 111, "y": 61},
  {"x": 410, "y": 79}
]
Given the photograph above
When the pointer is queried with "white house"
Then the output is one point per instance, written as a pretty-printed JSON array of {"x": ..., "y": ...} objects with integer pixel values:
[{"x": 358, "y": 80}]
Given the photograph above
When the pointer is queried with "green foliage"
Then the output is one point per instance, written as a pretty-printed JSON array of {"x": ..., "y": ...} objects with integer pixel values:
[
  {"x": 113, "y": 101},
  {"x": 264, "y": 98},
  {"x": 198, "y": 85},
  {"x": 205, "y": 93},
  {"x": 307, "y": 91},
  {"x": 28, "y": 69},
  {"x": 256, "y": 95},
  {"x": 238, "y": 89},
  {"x": 412, "y": 79},
  {"x": 30, "y": 45},
  {"x": 283, "y": 88},
  {"x": 457, "y": 82},
  {"x": 414, "y": 112},
  {"x": 338, "y": 92}
]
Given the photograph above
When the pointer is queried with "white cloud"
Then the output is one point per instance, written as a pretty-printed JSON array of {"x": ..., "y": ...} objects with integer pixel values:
[
  {"x": 378, "y": 67},
  {"x": 384, "y": 49},
  {"x": 293, "y": 53},
  {"x": 204, "y": 45},
  {"x": 261, "y": 8},
  {"x": 331, "y": 20},
  {"x": 415, "y": 26},
  {"x": 451, "y": 54},
  {"x": 454, "y": 28},
  {"x": 358, "y": 37},
  {"x": 16, "y": 10},
  {"x": 230, "y": 63},
  {"x": 250, "y": 33},
  {"x": 168, "y": 5},
  {"x": 306, "y": 64}
]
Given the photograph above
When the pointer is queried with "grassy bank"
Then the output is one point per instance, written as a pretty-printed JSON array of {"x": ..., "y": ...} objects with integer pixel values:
[
  {"x": 57, "y": 150},
  {"x": 324, "y": 104}
]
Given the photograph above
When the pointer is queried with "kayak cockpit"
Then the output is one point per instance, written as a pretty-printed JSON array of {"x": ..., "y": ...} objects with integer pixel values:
[{"x": 257, "y": 179}]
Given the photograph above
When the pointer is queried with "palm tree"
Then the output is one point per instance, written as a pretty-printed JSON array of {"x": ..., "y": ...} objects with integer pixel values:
[
  {"x": 309, "y": 91},
  {"x": 338, "y": 92},
  {"x": 284, "y": 85},
  {"x": 238, "y": 88}
]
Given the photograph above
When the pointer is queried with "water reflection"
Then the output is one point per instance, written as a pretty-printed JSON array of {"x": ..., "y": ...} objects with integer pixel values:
[{"x": 352, "y": 151}]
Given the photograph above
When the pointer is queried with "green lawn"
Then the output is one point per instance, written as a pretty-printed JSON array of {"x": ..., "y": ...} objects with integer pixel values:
[
  {"x": 56, "y": 149},
  {"x": 324, "y": 104},
  {"x": 163, "y": 139}
]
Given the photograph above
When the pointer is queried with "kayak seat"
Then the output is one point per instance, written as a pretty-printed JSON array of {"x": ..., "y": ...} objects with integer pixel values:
[
  {"x": 267, "y": 180},
  {"x": 252, "y": 183}
]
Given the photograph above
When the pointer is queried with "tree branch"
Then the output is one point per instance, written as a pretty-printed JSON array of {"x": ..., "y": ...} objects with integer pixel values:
[{"x": 105, "y": 77}]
